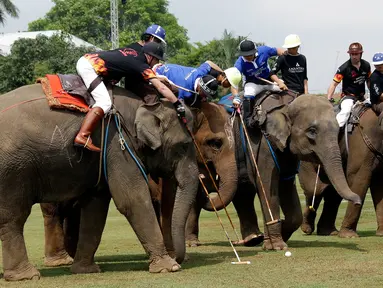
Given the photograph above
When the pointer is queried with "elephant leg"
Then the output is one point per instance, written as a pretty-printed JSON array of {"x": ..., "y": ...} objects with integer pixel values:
[
  {"x": 326, "y": 223},
  {"x": 376, "y": 189},
  {"x": 15, "y": 259},
  {"x": 72, "y": 229},
  {"x": 358, "y": 183},
  {"x": 244, "y": 205},
  {"x": 92, "y": 223},
  {"x": 309, "y": 214},
  {"x": 136, "y": 205},
  {"x": 169, "y": 188},
  {"x": 291, "y": 208},
  {"x": 192, "y": 226},
  {"x": 55, "y": 252}
]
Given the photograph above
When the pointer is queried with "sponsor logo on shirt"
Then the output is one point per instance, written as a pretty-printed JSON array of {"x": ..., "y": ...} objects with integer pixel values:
[{"x": 128, "y": 51}]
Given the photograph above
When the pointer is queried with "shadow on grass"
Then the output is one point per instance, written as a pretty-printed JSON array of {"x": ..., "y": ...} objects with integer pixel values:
[
  {"x": 139, "y": 262},
  {"x": 303, "y": 244}
]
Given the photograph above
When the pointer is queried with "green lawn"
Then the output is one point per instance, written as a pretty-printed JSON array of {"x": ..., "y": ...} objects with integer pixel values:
[{"x": 315, "y": 262}]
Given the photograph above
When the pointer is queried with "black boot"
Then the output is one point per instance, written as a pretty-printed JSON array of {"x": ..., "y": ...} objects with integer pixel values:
[{"x": 247, "y": 111}]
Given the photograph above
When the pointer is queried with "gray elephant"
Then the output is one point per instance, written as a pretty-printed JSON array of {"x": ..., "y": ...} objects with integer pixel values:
[
  {"x": 40, "y": 164},
  {"x": 363, "y": 168},
  {"x": 215, "y": 140},
  {"x": 307, "y": 130}
]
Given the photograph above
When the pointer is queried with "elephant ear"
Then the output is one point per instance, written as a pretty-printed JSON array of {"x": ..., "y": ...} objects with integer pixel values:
[
  {"x": 278, "y": 128},
  {"x": 148, "y": 125}
]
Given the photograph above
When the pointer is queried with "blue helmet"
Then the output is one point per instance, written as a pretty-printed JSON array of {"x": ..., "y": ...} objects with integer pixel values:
[
  {"x": 377, "y": 59},
  {"x": 156, "y": 31}
]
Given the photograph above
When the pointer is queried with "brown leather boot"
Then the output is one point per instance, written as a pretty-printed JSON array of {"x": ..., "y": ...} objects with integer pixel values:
[{"x": 88, "y": 125}]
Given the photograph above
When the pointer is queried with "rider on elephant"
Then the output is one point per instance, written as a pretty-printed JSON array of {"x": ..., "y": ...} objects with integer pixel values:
[
  {"x": 293, "y": 66},
  {"x": 354, "y": 73},
  {"x": 194, "y": 84},
  {"x": 253, "y": 64},
  {"x": 376, "y": 91},
  {"x": 112, "y": 66}
]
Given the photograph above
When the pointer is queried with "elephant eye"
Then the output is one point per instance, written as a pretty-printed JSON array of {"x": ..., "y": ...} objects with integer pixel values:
[
  {"x": 311, "y": 132},
  {"x": 215, "y": 143}
]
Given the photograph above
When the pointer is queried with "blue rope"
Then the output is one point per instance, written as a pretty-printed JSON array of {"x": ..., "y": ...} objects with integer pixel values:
[
  {"x": 242, "y": 135},
  {"x": 277, "y": 164},
  {"x": 130, "y": 151}
]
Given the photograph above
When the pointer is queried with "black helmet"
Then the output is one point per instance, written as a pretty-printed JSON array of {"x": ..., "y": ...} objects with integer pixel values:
[
  {"x": 247, "y": 48},
  {"x": 209, "y": 85},
  {"x": 154, "y": 49}
]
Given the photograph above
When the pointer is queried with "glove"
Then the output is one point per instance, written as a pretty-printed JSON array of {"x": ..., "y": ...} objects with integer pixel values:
[
  {"x": 237, "y": 100},
  {"x": 332, "y": 100},
  {"x": 180, "y": 108}
]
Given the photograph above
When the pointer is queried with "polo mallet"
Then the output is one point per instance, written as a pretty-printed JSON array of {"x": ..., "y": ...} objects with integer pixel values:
[
  {"x": 177, "y": 86},
  {"x": 211, "y": 176},
  {"x": 220, "y": 221},
  {"x": 257, "y": 170},
  {"x": 311, "y": 208}
]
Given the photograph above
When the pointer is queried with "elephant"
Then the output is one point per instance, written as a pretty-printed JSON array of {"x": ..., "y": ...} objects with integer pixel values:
[
  {"x": 41, "y": 165},
  {"x": 290, "y": 133},
  {"x": 212, "y": 134},
  {"x": 363, "y": 170}
]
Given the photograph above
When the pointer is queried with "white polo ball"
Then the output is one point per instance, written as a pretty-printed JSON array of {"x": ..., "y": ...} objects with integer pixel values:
[{"x": 287, "y": 253}]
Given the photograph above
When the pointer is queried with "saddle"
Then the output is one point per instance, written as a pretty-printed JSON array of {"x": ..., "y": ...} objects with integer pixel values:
[
  {"x": 68, "y": 91},
  {"x": 357, "y": 111},
  {"x": 262, "y": 108}
]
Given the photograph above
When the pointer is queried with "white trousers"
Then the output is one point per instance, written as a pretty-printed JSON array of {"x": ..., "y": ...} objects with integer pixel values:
[
  {"x": 252, "y": 89},
  {"x": 100, "y": 93},
  {"x": 345, "y": 111}
]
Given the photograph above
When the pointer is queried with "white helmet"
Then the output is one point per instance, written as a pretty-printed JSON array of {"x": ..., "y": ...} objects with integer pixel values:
[
  {"x": 292, "y": 41},
  {"x": 233, "y": 76}
]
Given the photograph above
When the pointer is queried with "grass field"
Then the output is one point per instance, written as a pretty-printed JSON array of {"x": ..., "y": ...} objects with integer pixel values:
[{"x": 315, "y": 262}]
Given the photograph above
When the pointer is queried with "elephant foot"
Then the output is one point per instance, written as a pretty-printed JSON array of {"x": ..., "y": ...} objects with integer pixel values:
[
  {"x": 308, "y": 221},
  {"x": 193, "y": 243},
  {"x": 60, "y": 260},
  {"x": 274, "y": 244},
  {"x": 28, "y": 273},
  {"x": 307, "y": 228},
  {"x": 347, "y": 233},
  {"x": 332, "y": 231},
  {"x": 80, "y": 268},
  {"x": 379, "y": 232},
  {"x": 164, "y": 264},
  {"x": 250, "y": 241}
]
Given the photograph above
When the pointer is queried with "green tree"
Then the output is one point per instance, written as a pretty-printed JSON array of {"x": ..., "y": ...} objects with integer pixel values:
[
  {"x": 7, "y": 7},
  {"x": 90, "y": 20},
  {"x": 33, "y": 58}
]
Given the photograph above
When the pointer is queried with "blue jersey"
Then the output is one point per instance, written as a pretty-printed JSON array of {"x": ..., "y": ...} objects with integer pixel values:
[
  {"x": 183, "y": 76},
  {"x": 257, "y": 68}
]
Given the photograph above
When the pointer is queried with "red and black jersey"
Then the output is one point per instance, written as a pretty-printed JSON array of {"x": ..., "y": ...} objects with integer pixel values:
[
  {"x": 353, "y": 79},
  {"x": 135, "y": 46},
  {"x": 122, "y": 62}
]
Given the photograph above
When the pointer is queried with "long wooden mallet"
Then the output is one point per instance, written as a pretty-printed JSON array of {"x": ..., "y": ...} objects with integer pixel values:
[
  {"x": 257, "y": 170},
  {"x": 220, "y": 221},
  {"x": 315, "y": 190}
]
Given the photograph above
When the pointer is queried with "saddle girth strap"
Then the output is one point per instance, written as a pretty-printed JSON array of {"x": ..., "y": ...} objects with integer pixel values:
[{"x": 370, "y": 146}]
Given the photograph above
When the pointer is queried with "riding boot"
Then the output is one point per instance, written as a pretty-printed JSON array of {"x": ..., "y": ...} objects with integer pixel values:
[
  {"x": 87, "y": 127},
  {"x": 246, "y": 108}
]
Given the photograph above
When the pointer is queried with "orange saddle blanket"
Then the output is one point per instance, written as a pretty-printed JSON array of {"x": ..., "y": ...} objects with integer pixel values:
[{"x": 58, "y": 98}]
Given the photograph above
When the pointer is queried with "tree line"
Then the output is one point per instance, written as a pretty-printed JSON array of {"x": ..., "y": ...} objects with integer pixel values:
[{"x": 90, "y": 21}]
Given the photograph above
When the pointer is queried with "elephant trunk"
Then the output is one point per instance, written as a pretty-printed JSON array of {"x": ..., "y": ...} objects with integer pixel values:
[
  {"x": 332, "y": 164},
  {"x": 227, "y": 170},
  {"x": 186, "y": 175}
]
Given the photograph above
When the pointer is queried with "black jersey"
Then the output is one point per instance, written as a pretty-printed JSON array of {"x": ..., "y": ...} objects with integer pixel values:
[
  {"x": 376, "y": 87},
  {"x": 293, "y": 69},
  {"x": 135, "y": 46},
  {"x": 353, "y": 79},
  {"x": 115, "y": 64}
]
